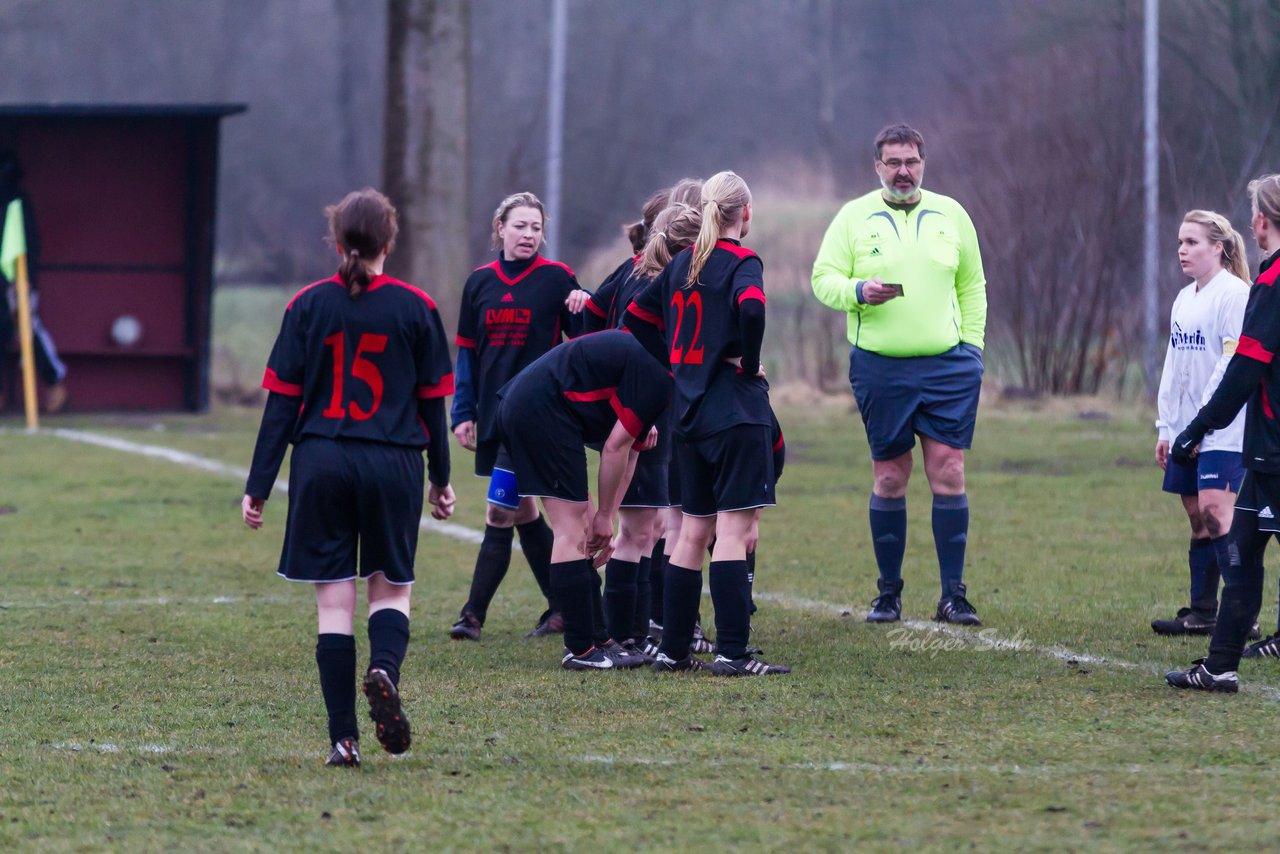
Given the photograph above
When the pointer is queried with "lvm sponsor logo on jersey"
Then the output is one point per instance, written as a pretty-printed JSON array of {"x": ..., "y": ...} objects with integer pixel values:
[
  {"x": 1183, "y": 340},
  {"x": 508, "y": 326}
]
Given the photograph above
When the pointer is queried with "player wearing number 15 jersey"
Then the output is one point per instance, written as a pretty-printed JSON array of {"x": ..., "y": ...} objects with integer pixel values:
[
  {"x": 710, "y": 302},
  {"x": 357, "y": 380}
]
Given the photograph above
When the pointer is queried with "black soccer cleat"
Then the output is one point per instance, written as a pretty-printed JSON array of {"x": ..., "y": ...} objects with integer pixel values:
[
  {"x": 592, "y": 659},
  {"x": 386, "y": 711},
  {"x": 1268, "y": 647},
  {"x": 887, "y": 608},
  {"x": 467, "y": 627},
  {"x": 550, "y": 623},
  {"x": 664, "y": 663},
  {"x": 746, "y": 666},
  {"x": 622, "y": 657},
  {"x": 345, "y": 754},
  {"x": 957, "y": 609},
  {"x": 1199, "y": 678},
  {"x": 700, "y": 644},
  {"x": 1187, "y": 622},
  {"x": 640, "y": 649},
  {"x": 649, "y": 647}
]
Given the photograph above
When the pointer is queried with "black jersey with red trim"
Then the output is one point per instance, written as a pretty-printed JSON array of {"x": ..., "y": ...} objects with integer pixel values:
[
  {"x": 511, "y": 313},
  {"x": 599, "y": 379},
  {"x": 700, "y": 322},
  {"x": 360, "y": 366},
  {"x": 1260, "y": 340},
  {"x": 609, "y": 303}
]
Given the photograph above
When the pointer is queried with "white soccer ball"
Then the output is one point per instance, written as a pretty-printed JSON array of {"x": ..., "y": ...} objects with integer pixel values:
[{"x": 126, "y": 330}]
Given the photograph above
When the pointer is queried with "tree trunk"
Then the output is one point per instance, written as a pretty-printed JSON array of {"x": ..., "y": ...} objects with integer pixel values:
[{"x": 425, "y": 144}]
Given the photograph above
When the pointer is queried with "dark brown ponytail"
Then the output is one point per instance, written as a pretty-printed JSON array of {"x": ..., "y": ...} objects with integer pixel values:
[{"x": 362, "y": 226}]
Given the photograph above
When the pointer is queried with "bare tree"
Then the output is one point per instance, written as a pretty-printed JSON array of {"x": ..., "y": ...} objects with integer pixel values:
[{"x": 425, "y": 141}]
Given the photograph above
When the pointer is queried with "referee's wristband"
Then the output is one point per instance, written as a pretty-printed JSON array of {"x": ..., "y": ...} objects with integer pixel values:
[{"x": 857, "y": 291}]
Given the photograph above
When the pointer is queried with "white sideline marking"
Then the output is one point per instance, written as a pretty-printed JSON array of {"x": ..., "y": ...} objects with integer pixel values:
[
  {"x": 195, "y": 461},
  {"x": 470, "y": 535},
  {"x": 141, "y": 603}
]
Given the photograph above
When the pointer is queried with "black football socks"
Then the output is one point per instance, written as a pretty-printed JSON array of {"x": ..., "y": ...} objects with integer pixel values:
[
  {"x": 657, "y": 578},
  {"x": 682, "y": 592},
  {"x": 536, "y": 540},
  {"x": 731, "y": 597},
  {"x": 388, "y": 641},
  {"x": 620, "y": 597},
  {"x": 336, "y": 660},
  {"x": 574, "y": 591},
  {"x": 644, "y": 590},
  {"x": 491, "y": 568}
]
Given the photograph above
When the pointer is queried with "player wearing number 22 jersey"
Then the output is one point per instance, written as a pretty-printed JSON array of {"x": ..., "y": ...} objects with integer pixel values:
[{"x": 703, "y": 326}]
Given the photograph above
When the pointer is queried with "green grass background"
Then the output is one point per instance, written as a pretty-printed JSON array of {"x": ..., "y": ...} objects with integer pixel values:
[{"x": 158, "y": 689}]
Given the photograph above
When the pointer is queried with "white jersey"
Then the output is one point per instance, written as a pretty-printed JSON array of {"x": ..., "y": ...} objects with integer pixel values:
[{"x": 1204, "y": 329}]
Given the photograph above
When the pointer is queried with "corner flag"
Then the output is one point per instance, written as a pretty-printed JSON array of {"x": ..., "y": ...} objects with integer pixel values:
[{"x": 13, "y": 242}]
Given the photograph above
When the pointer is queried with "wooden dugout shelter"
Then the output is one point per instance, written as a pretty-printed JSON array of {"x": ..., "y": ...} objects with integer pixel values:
[{"x": 124, "y": 199}]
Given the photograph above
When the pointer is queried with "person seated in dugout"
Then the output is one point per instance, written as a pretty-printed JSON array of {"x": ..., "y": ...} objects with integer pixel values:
[{"x": 599, "y": 388}]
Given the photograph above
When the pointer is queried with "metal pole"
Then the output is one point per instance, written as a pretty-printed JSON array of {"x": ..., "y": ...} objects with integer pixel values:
[
  {"x": 555, "y": 118},
  {"x": 1151, "y": 187}
]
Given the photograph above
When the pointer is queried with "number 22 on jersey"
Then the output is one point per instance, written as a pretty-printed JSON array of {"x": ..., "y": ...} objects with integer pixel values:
[
  {"x": 361, "y": 369},
  {"x": 692, "y": 355}
]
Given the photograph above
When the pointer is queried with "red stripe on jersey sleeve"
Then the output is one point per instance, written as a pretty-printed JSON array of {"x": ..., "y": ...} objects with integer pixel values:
[
  {"x": 1269, "y": 278},
  {"x": 647, "y": 316},
  {"x": 778, "y": 444},
  {"x": 462, "y": 341},
  {"x": 272, "y": 382},
  {"x": 593, "y": 395},
  {"x": 440, "y": 389},
  {"x": 630, "y": 421},
  {"x": 595, "y": 309},
  {"x": 751, "y": 293},
  {"x": 1253, "y": 349}
]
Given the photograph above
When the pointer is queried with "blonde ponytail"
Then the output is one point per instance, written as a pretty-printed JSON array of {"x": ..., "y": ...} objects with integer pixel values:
[
  {"x": 674, "y": 228},
  {"x": 724, "y": 196}
]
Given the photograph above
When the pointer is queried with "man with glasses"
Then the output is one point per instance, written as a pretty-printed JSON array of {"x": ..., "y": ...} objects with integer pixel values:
[{"x": 904, "y": 263}]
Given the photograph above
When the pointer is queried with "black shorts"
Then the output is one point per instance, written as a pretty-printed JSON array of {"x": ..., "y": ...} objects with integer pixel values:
[
  {"x": 487, "y": 453},
  {"x": 674, "y": 494},
  {"x": 648, "y": 487},
  {"x": 729, "y": 470},
  {"x": 1260, "y": 495},
  {"x": 546, "y": 450},
  {"x": 344, "y": 493}
]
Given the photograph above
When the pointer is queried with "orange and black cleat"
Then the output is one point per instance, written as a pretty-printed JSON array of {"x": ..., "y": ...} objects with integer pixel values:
[{"x": 386, "y": 711}]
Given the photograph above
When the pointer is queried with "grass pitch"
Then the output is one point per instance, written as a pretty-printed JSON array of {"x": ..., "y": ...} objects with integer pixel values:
[{"x": 159, "y": 687}]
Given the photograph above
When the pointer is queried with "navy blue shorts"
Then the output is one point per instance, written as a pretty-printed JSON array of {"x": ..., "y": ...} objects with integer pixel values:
[
  {"x": 345, "y": 495},
  {"x": 935, "y": 396},
  {"x": 729, "y": 470},
  {"x": 1210, "y": 470}
]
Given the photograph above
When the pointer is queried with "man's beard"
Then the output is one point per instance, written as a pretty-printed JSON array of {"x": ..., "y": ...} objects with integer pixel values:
[{"x": 896, "y": 195}]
